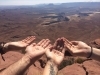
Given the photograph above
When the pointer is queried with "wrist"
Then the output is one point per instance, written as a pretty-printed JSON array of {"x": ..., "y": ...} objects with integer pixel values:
[
  {"x": 88, "y": 52},
  {"x": 6, "y": 47},
  {"x": 26, "y": 59},
  {"x": 30, "y": 58},
  {"x": 53, "y": 66},
  {"x": 53, "y": 63}
]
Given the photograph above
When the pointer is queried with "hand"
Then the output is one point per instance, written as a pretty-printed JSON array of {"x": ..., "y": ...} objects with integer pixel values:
[
  {"x": 19, "y": 44},
  {"x": 59, "y": 44},
  {"x": 55, "y": 55},
  {"x": 77, "y": 48},
  {"x": 35, "y": 51}
]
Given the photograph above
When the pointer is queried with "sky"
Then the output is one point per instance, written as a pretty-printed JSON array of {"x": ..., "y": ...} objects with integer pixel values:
[{"x": 34, "y": 2}]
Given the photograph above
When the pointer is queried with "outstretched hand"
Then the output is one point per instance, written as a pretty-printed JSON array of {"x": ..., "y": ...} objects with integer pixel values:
[
  {"x": 19, "y": 44},
  {"x": 55, "y": 55},
  {"x": 35, "y": 51},
  {"x": 77, "y": 48}
]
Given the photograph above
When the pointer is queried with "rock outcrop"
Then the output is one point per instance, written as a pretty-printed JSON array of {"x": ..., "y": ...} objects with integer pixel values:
[
  {"x": 96, "y": 43},
  {"x": 10, "y": 58},
  {"x": 72, "y": 66}
]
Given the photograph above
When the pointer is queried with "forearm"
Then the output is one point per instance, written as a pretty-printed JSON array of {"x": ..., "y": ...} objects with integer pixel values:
[
  {"x": 18, "y": 68},
  {"x": 51, "y": 68},
  {"x": 96, "y": 54},
  {"x": 11, "y": 46}
]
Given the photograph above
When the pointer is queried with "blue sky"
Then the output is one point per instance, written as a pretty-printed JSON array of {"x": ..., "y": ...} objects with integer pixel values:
[{"x": 33, "y": 2}]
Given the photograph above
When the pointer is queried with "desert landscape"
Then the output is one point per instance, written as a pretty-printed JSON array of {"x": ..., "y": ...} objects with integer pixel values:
[{"x": 75, "y": 21}]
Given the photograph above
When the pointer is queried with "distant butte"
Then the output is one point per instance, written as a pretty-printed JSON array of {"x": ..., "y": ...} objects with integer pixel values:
[{"x": 54, "y": 18}]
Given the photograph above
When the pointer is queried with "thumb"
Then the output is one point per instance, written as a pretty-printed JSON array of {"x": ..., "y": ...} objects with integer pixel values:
[
  {"x": 63, "y": 51},
  {"x": 75, "y": 42}
]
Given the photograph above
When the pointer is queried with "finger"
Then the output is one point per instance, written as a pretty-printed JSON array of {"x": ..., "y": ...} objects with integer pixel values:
[
  {"x": 41, "y": 42},
  {"x": 67, "y": 45},
  {"x": 54, "y": 51},
  {"x": 56, "y": 43},
  {"x": 58, "y": 47},
  {"x": 67, "y": 41},
  {"x": 58, "y": 53},
  {"x": 69, "y": 49},
  {"x": 63, "y": 50},
  {"x": 45, "y": 43},
  {"x": 26, "y": 39},
  {"x": 62, "y": 43},
  {"x": 30, "y": 40},
  {"x": 33, "y": 44},
  {"x": 49, "y": 46},
  {"x": 74, "y": 42}
]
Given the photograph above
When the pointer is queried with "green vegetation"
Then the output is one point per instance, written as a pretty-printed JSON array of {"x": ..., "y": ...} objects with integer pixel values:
[
  {"x": 79, "y": 60},
  {"x": 70, "y": 61}
]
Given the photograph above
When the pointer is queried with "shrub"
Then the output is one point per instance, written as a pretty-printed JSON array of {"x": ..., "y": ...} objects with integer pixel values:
[
  {"x": 79, "y": 60},
  {"x": 67, "y": 62}
]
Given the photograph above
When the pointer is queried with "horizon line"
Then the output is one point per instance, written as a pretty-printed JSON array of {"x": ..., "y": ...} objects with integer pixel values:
[{"x": 45, "y": 3}]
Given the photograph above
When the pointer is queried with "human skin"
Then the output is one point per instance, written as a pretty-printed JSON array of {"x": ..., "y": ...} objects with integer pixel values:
[
  {"x": 33, "y": 53},
  {"x": 18, "y": 45},
  {"x": 79, "y": 48},
  {"x": 55, "y": 57},
  {"x": 15, "y": 46}
]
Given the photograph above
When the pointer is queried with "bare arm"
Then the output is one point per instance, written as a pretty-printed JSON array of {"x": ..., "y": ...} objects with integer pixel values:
[
  {"x": 18, "y": 45},
  {"x": 33, "y": 53},
  {"x": 55, "y": 58},
  {"x": 14, "y": 46},
  {"x": 95, "y": 54},
  {"x": 51, "y": 68},
  {"x": 79, "y": 48},
  {"x": 18, "y": 68}
]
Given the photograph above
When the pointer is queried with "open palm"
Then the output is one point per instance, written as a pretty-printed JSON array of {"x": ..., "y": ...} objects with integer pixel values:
[
  {"x": 37, "y": 50},
  {"x": 77, "y": 48},
  {"x": 56, "y": 52},
  {"x": 19, "y": 44},
  {"x": 55, "y": 55}
]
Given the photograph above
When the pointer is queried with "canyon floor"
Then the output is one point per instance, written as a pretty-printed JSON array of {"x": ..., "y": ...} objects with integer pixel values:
[{"x": 75, "y": 21}]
